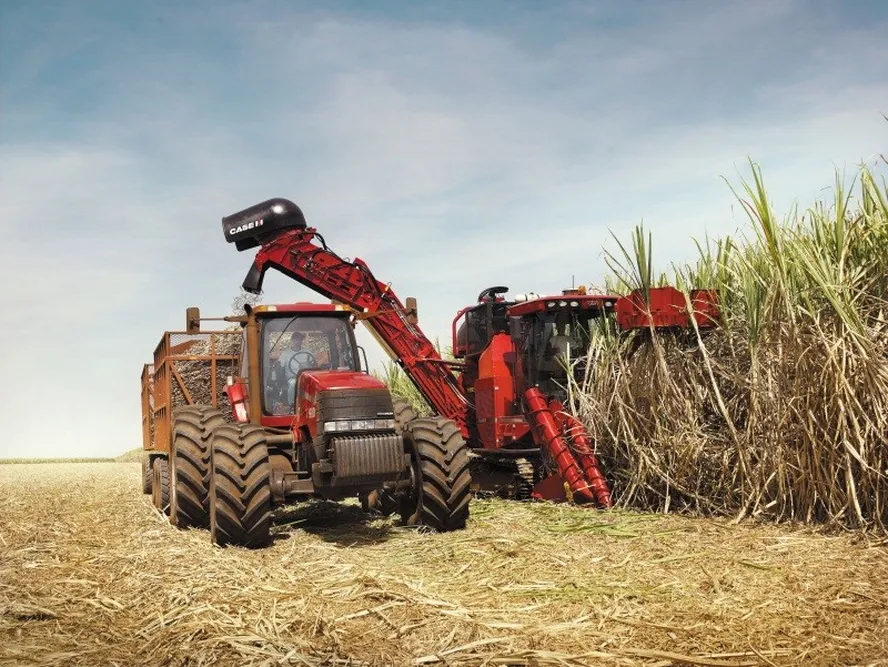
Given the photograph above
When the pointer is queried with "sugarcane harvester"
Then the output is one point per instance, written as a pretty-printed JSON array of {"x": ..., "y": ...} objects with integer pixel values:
[{"x": 506, "y": 388}]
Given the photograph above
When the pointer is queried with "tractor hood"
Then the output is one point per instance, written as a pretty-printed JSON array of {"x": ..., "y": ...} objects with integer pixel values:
[{"x": 314, "y": 381}]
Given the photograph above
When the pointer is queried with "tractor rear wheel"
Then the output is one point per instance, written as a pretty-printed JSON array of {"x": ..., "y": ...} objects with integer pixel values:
[
  {"x": 240, "y": 489},
  {"x": 147, "y": 473},
  {"x": 160, "y": 485},
  {"x": 190, "y": 461},
  {"x": 440, "y": 494}
]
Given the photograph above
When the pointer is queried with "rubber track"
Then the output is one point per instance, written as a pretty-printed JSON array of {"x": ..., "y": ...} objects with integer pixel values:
[
  {"x": 526, "y": 479},
  {"x": 160, "y": 491},
  {"x": 444, "y": 465},
  {"x": 240, "y": 493},
  {"x": 192, "y": 430}
]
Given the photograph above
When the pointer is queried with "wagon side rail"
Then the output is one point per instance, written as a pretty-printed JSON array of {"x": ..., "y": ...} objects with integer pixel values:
[{"x": 191, "y": 369}]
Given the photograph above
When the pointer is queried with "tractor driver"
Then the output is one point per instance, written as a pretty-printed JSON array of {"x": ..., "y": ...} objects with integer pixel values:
[
  {"x": 291, "y": 367},
  {"x": 293, "y": 360}
]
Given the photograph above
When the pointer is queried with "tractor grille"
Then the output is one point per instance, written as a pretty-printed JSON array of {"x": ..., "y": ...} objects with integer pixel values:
[
  {"x": 354, "y": 404},
  {"x": 367, "y": 458}
]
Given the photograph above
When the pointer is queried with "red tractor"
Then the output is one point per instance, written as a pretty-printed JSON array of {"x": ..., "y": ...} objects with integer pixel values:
[
  {"x": 505, "y": 392},
  {"x": 295, "y": 416}
]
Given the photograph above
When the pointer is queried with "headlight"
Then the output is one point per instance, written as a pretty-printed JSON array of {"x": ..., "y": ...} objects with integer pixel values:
[{"x": 359, "y": 425}]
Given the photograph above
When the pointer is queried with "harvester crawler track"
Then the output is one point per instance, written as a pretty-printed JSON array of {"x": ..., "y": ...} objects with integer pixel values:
[{"x": 525, "y": 479}]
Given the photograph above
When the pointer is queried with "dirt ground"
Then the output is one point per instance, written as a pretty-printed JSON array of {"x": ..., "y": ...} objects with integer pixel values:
[{"x": 91, "y": 574}]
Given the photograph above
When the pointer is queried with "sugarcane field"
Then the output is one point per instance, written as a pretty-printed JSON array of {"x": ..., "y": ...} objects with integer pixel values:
[{"x": 444, "y": 334}]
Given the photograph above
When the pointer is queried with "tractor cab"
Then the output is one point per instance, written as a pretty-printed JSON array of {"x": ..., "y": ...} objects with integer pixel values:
[
  {"x": 293, "y": 355},
  {"x": 291, "y": 343}
]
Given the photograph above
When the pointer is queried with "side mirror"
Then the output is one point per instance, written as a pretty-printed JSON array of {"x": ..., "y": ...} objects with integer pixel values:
[
  {"x": 192, "y": 320},
  {"x": 411, "y": 311}
]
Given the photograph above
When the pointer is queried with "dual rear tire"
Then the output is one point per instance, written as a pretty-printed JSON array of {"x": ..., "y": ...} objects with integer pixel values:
[
  {"x": 217, "y": 478},
  {"x": 240, "y": 487}
]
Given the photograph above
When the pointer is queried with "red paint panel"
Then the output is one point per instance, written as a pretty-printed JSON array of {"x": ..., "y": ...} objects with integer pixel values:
[
  {"x": 494, "y": 389},
  {"x": 668, "y": 308},
  {"x": 485, "y": 411},
  {"x": 237, "y": 397},
  {"x": 314, "y": 381}
]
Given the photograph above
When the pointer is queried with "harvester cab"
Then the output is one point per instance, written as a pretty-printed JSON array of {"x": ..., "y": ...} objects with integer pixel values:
[{"x": 536, "y": 341}]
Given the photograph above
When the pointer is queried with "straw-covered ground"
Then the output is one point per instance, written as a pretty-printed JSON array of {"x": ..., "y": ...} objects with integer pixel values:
[{"x": 91, "y": 575}]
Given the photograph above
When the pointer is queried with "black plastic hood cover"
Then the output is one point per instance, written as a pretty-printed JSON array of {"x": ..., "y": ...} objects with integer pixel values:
[{"x": 260, "y": 223}]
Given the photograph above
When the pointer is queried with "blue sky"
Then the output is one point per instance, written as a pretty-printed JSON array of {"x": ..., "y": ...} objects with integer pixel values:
[{"x": 452, "y": 145}]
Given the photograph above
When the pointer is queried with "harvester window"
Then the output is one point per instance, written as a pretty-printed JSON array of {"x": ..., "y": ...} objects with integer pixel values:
[{"x": 471, "y": 334}]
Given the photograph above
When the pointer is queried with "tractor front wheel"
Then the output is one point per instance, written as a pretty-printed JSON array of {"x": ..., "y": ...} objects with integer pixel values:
[
  {"x": 240, "y": 487},
  {"x": 404, "y": 413},
  {"x": 190, "y": 461},
  {"x": 384, "y": 501},
  {"x": 440, "y": 494}
]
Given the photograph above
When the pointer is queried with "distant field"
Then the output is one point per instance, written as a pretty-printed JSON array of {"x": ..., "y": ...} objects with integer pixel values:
[
  {"x": 91, "y": 574},
  {"x": 83, "y": 460},
  {"x": 130, "y": 456}
]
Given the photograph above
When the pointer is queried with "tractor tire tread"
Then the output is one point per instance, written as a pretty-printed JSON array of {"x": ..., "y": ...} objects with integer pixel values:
[
  {"x": 147, "y": 473},
  {"x": 160, "y": 486},
  {"x": 192, "y": 430},
  {"x": 445, "y": 479},
  {"x": 240, "y": 495},
  {"x": 403, "y": 412}
]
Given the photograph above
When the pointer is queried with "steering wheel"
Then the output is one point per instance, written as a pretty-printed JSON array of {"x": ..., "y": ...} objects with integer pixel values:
[{"x": 311, "y": 361}]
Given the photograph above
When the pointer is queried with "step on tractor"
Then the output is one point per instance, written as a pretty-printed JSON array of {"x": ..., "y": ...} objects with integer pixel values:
[
  {"x": 295, "y": 416},
  {"x": 503, "y": 397}
]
